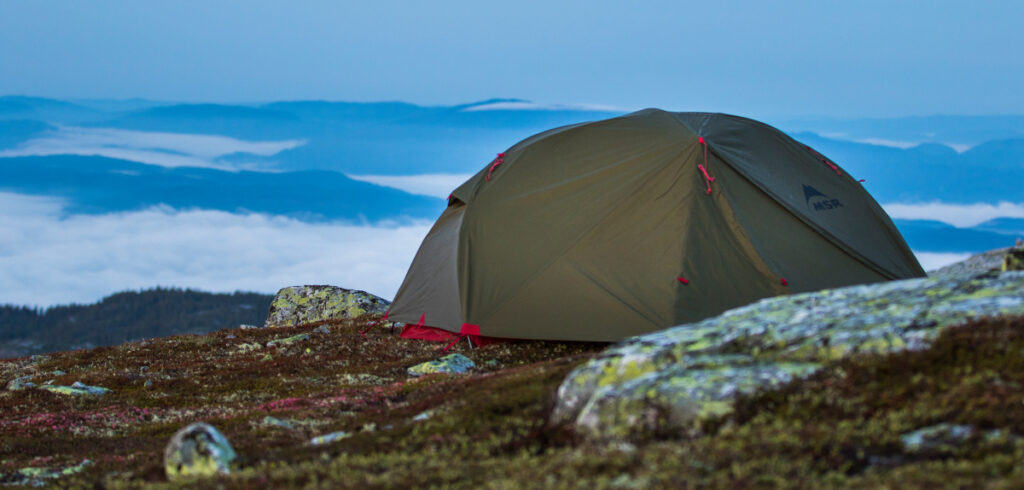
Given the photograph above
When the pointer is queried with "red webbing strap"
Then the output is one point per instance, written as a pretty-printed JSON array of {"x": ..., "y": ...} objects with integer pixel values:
[
  {"x": 704, "y": 168},
  {"x": 452, "y": 344},
  {"x": 374, "y": 324},
  {"x": 494, "y": 164},
  {"x": 826, "y": 161},
  {"x": 684, "y": 281}
]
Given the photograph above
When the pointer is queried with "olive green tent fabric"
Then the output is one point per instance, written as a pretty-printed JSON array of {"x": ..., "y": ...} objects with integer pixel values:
[{"x": 604, "y": 230}]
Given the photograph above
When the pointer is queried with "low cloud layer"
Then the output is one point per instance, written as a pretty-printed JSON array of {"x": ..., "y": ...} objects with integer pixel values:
[
  {"x": 959, "y": 215},
  {"x": 154, "y": 148},
  {"x": 931, "y": 261},
  {"x": 46, "y": 259},
  {"x": 523, "y": 105},
  {"x": 433, "y": 185}
]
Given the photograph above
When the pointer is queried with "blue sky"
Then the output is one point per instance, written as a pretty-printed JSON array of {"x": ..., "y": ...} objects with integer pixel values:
[{"x": 787, "y": 58}]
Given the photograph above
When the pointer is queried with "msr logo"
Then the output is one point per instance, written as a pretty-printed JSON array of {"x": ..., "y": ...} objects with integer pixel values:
[{"x": 818, "y": 201}]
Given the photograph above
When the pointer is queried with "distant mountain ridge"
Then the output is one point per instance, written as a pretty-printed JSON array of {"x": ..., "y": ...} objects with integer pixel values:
[
  {"x": 948, "y": 159},
  {"x": 96, "y": 185},
  {"x": 130, "y": 315}
]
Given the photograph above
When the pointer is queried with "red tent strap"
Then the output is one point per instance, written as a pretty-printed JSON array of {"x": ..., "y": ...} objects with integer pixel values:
[
  {"x": 784, "y": 282},
  {"x": 704, "y": 168},
  {"x": 826, "y": 161},
  {"x": 374, "y": 324},
  {"x": 684, "y": 281},
  {"x": 497, "y": 161},
  {"x": 452, "y": 344}
]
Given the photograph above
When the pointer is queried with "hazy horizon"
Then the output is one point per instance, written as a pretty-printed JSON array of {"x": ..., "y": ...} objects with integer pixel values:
[{"x": 779, "y": 59}]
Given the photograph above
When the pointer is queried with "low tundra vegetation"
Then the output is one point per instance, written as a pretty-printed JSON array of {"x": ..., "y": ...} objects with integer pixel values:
[{"x": 857, "y": 423}]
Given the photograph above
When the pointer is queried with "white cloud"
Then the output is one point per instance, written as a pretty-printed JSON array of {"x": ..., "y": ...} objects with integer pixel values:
[
  {"x": 959, "y": 215},
  {"x": 535, "y": 106},
  {"x": 931, "y": 260},
  {"x": 46, "y": 259},
  {"x": 903, "y": 145},
  {"x": 154, "y": 148},
  {"x": 890, "y": 143},
  {"x": 433, "y": 185}
]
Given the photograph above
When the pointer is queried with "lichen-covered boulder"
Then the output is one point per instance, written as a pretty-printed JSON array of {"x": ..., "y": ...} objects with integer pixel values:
[
  {"x": 450, "y": 364},
  {"x": 198, "y": 449},
  {"x": 299, "y": 305},
  {"x": 670, "y": 381}
]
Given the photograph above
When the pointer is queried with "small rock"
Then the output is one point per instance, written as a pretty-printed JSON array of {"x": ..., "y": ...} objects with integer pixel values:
[
  {"x": 36, "y": 477},
  {"x": 288, "y": 340},
  {"x": 940, "y": 438},
  {"x": 450, "y": 364},
  {"x": 229, "y": 337},
  {"x": 76, "y": 389},
  {"x": 267, "y": 357},
  {"x": 328, "y": 438},
  {"x": 247, "y": 347},
  {"x": 276, "y": 422},
  {"x": 20, "y": 383},
  {"x": 148, "y": 383},
  {"x": 246, "y": 326},
  {"x": 58, "y": 373},
  {"x": 198, "y": 449},
  {"x": 361, "y": 379},
  {"x": 322, "y": 329},
  {"x": 423, "y": 416}
]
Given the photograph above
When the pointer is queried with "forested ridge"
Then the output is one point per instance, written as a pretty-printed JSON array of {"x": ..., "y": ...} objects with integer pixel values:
[{"x": 124, "y": 316}]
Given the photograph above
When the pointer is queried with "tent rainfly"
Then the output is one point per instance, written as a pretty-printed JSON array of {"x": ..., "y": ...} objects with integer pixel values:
[{"x": 604, "y": 230}]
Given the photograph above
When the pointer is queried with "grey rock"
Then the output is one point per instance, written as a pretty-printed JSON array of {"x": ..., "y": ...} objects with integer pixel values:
[
  {"x": 21, "y": 383},
  {"x": 936, "y": 438},
  {"x": 276, "y": 422},
  {"x": 670, "y": 381},
  {"x": 39, "y": 477},
  {"x": 299, "y": 305},
  {"x": 288, "y": 340},
  {"x": 76, "y": 389},
  {"x": 450, "y": 364},
  {"x": 328, "y": 438},
  {"x": 198, "y": 449},
  {"x": 983, "y": 262},
  {"x": 946, "y": 438}
]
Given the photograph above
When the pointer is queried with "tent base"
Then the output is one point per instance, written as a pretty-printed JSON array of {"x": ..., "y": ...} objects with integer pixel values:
[{"x": 434, "y": 334}]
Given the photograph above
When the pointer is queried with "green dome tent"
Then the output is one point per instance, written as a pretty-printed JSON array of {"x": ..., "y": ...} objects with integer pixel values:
[{"x": 604, "y": 230}]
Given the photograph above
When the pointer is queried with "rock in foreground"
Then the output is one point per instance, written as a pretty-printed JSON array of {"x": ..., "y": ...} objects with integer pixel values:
[
  {"x": 670, "y": 381},
  {"x": 450, "y": 364},
  {"x": 298, "y": 305},
  {"x": 198, "y": 450}
]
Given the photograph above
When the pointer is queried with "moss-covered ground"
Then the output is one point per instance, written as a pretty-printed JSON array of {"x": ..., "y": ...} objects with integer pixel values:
[{"x": 839, "y": 428}]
